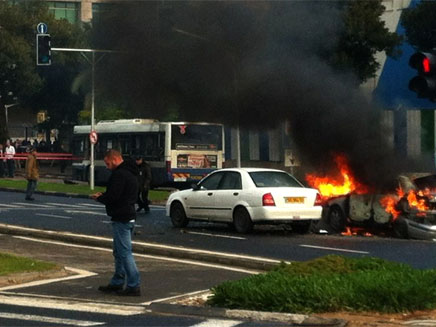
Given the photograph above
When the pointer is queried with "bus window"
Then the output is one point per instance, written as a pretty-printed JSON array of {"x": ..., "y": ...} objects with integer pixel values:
[
  {"x": 105, "y": 142},
  {"x": 151, "y": 146},
  {"x": 125, "y": 145},
  {"x": 196, "y": 137},
  {"x": 80, "y": 146}
]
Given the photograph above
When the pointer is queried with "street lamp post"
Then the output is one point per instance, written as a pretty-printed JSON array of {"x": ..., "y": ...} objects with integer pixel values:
[{"x": 93, "y": 63}]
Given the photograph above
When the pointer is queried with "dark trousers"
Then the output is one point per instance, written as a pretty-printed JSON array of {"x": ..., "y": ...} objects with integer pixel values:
[
  {"x": 31, "y": 186},
  {"x": 143, "y": 198},
  {"x": 2, "y": 168},
  {"x": 11, "y": 167}
]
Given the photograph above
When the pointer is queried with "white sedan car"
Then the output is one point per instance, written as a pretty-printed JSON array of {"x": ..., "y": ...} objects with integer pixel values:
[{"x": 244, "y": 197}]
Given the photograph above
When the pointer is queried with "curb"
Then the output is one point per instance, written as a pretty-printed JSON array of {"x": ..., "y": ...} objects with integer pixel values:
[
  {"x": 294, "y": 319},
  {"x": 67, "y": 195},
  {"x": 247, "y": 262}
]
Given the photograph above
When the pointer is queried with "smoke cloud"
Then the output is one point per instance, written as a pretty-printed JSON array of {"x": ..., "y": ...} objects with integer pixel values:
[{"x": 255, "y": 64}]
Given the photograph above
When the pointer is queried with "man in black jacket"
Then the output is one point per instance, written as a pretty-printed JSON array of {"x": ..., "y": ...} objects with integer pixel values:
[
  {"x": 144, "y": 181},
  {"x": 120, "y": 199}
]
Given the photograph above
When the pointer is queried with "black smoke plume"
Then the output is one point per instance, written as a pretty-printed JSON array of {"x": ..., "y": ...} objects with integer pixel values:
[{"x": 251, "y": 63}]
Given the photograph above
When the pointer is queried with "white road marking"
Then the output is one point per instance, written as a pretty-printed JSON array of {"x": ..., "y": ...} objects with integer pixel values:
[
  {"x": 9, "y": 206},
  {"x": 64, "y": 205},
  {"x": 49, "y": 320},
  {"x": 333, "y": 249},
  {"x": 156, "y": 257},
  {"x": 69, "y": 304},
  {"x": 91, "y": 205},
  {"x": 218, "y": 323},
  {"x": 215, "y": 235},
  {"x": 110, "y": 222},
  {"x": 79, "y": 273},
  {"x": 175, "y": 297},
  {"x": 86, "y": 212},
  {"x": 33, "y": 205},
  {"x": 49, "y": 215}
]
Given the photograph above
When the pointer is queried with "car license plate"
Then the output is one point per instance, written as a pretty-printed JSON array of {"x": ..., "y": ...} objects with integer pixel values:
[{"x": 294, "y": 199}]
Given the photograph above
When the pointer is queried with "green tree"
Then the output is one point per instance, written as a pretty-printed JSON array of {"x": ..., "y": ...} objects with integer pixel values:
[
  {"x": 21, "y": 80},
  {"x": 364, "y": 34},
  {"x": 420, "y": 25}
]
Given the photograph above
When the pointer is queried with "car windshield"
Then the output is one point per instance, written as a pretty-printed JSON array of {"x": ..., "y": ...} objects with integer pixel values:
[{"x": 274, "y": 179}]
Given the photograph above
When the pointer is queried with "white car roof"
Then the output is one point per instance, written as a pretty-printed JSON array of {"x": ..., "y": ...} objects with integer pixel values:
[{"x": 250, "y": 169}]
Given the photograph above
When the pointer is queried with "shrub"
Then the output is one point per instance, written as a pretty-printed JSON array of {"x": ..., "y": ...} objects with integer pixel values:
[{"x": 332, "y": 283}]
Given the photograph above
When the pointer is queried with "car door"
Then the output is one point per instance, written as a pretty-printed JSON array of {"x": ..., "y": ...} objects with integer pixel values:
[
  {"x": 201, "y": 201},
  {"x": 227, "y": 195}
]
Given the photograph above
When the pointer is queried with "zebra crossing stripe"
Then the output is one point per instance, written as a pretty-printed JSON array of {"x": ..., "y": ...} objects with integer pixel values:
[{"x": 50, "y": 320}]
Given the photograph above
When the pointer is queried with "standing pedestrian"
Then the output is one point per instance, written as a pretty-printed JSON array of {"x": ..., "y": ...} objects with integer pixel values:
[
  {"x": 144, "y": 181},
  {"x": 2, "y": 162},
  {"x": 120, "y": 199},
  {"x": 32, "y": 173},
  {"x": 9, "y": 154}
]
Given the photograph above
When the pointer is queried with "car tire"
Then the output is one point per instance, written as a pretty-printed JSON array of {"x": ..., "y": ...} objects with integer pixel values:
[
  {"x": 242, "y": 221},
  {"x": 301, "y": 227},
  {"x": 178, "y": 215},
  {"x": 399, "y": 227},
  {"x": 336, "y": 219}
]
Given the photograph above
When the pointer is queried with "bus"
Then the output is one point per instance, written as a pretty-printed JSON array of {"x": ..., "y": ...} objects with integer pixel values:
[{"x": 178, "y": 152}]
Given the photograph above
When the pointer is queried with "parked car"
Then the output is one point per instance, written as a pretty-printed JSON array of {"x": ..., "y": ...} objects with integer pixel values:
[{"x": 243, "y": 197}]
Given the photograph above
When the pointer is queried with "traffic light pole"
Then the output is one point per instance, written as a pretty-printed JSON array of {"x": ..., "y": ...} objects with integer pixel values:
[{"x": 93, "y": 63}]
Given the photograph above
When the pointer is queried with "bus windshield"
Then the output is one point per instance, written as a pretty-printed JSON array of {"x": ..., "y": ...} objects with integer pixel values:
[{"x": 196, "y": 137}]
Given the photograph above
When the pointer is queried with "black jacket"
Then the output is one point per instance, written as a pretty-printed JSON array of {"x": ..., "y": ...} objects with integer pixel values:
[
  {"x": 121, "y": 192},
  {"x": 144, "y": 177}
]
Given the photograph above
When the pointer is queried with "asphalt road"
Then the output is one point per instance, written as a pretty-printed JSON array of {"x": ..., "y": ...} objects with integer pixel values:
[
  {"x": 77, "y": 301},
  {"x": 85, "y": 216}
]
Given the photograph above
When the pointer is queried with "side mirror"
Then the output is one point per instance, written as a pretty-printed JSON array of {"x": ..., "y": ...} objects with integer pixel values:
[{"x": 195, "y": 187}]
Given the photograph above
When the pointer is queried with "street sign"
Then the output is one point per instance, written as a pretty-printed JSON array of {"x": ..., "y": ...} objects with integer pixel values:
[
  {"x": 93, "y": 137},
  {"x": 41, "y": 28}
]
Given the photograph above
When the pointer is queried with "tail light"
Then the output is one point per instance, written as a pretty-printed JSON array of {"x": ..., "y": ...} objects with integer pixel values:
[
  {"x": 318, "y": 200},
  {"x": 268, "y": 200}
]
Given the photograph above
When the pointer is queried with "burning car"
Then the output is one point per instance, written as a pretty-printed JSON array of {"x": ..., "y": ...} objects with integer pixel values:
[{"x": 408, "y": 212}]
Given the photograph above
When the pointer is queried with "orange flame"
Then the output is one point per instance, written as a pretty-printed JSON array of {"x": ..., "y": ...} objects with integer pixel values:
[
  {"x": 344, "y": 184},
  {"x": 389, "y": 202}
]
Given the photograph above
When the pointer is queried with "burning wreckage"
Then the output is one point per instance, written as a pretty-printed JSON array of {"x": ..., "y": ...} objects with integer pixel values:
[{"x": 409, "y": 212}]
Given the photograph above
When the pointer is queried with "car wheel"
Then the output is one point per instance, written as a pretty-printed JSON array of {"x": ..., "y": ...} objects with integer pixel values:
[
  {"x": 242, "y": 221},
  {"x": 301, "y": 227},
  {"x": 178, "y": 215},
  {"x": 336, "y": 219},
  {"x": 399, "y": 227}
]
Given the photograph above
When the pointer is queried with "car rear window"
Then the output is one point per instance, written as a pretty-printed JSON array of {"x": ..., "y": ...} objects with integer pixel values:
[{"x": 274, "y": 179}]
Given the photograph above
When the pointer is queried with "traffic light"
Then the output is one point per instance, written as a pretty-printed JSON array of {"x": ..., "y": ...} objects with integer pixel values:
[
  {"x": 43, "y": 50},
  {"x": 425, "y": 83}
]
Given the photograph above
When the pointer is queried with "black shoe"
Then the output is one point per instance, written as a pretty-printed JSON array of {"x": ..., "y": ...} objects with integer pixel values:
[
  {"x": 139, "y": 209},
  {"x": 110, "y": 288},
  {"x": 29, "y": 199},
  {"x": 130, "y": 291}
]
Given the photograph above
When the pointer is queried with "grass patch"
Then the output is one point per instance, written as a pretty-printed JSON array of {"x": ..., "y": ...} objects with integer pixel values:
[
  {"x": 10, "y": 264},
  {"x": 332, "y": 283},
  {"x": 72, "y": 188}
]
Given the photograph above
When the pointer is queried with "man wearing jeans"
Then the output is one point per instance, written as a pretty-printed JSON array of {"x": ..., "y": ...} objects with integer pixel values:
[{"x": 119, "y": 199}]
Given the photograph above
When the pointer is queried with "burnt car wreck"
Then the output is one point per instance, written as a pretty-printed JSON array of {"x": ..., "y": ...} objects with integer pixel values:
[{"x": 408, "y": 213}]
